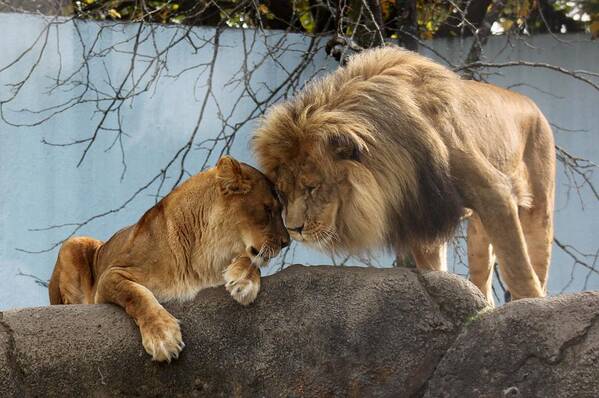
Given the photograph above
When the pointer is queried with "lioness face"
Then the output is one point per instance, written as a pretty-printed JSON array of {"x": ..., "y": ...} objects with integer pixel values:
[{"x": 253, "y": 210}]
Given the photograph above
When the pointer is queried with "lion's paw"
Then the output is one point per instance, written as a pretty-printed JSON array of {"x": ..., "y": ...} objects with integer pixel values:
[
  {"x": 242, "y": 282},
  {"x": 161, "y": 337}
]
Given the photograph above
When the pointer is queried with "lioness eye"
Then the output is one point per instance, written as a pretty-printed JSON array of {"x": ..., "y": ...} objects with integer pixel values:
[{"x": 311, "y": 190}]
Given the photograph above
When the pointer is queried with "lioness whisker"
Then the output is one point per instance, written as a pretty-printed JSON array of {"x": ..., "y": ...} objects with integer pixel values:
[{"x": 261, "y": 252}]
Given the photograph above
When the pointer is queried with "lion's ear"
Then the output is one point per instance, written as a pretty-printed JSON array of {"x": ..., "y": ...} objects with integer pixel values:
[
  {"x": 230, "y": 177},
  {"x": 345, "y": 148}
]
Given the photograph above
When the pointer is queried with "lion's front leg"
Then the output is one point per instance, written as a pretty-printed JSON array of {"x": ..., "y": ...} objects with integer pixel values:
[
  {"x": 160, "y": 331},
  {"x": 432, "y": 257},
  {"x": 242, "y": 280},
  {"x": 481, "y": 258}
]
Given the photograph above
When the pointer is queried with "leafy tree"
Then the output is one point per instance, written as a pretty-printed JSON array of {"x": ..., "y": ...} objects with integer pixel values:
[{"x": 396, "y": 20}]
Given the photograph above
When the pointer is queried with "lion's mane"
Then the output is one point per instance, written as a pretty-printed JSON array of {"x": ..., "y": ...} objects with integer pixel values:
[{"x": 387, "y": 108}]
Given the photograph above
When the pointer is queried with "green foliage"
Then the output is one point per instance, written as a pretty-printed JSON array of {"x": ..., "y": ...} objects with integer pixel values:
[
  {"x": 154, "y": 10},
  {"x": 302, "y": 8},
  {"x": 306, "y": 16}
]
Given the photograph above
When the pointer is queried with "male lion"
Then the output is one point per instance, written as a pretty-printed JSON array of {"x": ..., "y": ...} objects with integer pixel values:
[
  {"x": 224, "y": 219},
  {"x": 389, "y": 151}
]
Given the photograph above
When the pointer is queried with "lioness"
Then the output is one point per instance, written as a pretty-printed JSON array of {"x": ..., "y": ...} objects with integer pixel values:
[
  {"x": 388, "y": 152},
  {"x": 224, "y": 219}
]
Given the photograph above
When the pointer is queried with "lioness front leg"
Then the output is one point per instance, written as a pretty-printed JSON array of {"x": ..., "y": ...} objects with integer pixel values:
[
  {"x": 242, "y": 280},
  {"x": 160, "y": 331}
]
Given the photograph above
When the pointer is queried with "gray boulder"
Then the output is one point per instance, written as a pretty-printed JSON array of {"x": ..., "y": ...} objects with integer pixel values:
[
  {"x": 313, "y": 331},
  {"x": 528, "y": 348}
]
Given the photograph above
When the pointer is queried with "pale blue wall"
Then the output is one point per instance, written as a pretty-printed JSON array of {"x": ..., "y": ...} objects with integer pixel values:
[{"x": 41, "y": 185}]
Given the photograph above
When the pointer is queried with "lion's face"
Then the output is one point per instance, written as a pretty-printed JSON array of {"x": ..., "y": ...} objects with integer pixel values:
[
  {"x": 331, "y": 200},
  {"x": 312, "y": 200},
  {"x": 320, "y": 165},
  {"x": 252, "y": 209}
]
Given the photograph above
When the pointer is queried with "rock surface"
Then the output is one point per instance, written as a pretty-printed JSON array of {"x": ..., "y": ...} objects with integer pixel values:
[
  {"x": 313, "y": 331},
  {"x": 528, "y": 348},
  {"x": 9, "y": 380}
]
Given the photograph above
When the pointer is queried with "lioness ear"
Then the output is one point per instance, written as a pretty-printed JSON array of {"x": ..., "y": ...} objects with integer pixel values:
[
  {"x": 345, "y": 148},
  {"x": 230, "y": 177}
]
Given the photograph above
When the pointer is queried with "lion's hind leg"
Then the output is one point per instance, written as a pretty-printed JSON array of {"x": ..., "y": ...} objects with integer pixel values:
[
  {"x": 490, "y": 196},
  {"x": 537, "y": 224},
  {"x": 72, "y": 279},
  {"x": 537, "y": 220}
]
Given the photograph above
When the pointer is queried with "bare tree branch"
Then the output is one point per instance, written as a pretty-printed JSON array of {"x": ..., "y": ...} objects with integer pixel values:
[
  {"x": 148, "y": 48},
  {"x": 576, "y": 74}
]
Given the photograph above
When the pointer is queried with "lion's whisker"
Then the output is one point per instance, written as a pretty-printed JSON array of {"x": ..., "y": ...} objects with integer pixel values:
[{"x": 330, "y": 235}]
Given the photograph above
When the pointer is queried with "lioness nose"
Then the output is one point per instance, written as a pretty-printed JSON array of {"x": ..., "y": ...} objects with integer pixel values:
[{"x": 296, "y": 229}]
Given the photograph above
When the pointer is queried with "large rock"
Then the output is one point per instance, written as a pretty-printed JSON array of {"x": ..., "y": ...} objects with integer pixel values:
[
  {"x": 313, "y": 331},
  {"x": 528, "y": 348},
  {"x": 9, "y": 377}
]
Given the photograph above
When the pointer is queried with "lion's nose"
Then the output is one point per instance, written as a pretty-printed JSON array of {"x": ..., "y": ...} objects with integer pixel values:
[{"x": 296, "y": 229}]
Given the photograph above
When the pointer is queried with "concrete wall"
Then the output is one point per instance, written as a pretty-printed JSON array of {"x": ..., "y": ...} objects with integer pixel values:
[{"x": 41, "y": 185}]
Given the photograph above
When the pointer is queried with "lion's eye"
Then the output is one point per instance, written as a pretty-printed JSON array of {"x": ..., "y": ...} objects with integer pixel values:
[
  {"x": 311, "y": 189},
  {"x": 281, "y": 197}
]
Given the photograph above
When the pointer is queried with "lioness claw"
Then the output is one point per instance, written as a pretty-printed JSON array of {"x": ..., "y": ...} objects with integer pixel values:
[
  {"x": 245, "y": 293},
  {"x": 161, "y": 337}
]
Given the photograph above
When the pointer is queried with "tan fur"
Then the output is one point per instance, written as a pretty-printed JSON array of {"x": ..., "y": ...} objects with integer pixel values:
[
  {"x": 390, "y": 152},
  {"x": 216, "y": 228}
]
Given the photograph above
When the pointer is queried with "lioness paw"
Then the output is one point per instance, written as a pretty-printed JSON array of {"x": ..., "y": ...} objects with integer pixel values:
[
  {"x": 242, "y": 281},
  {"x": 161, "y": 337},
  {"x": 243, "y": 291}
]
